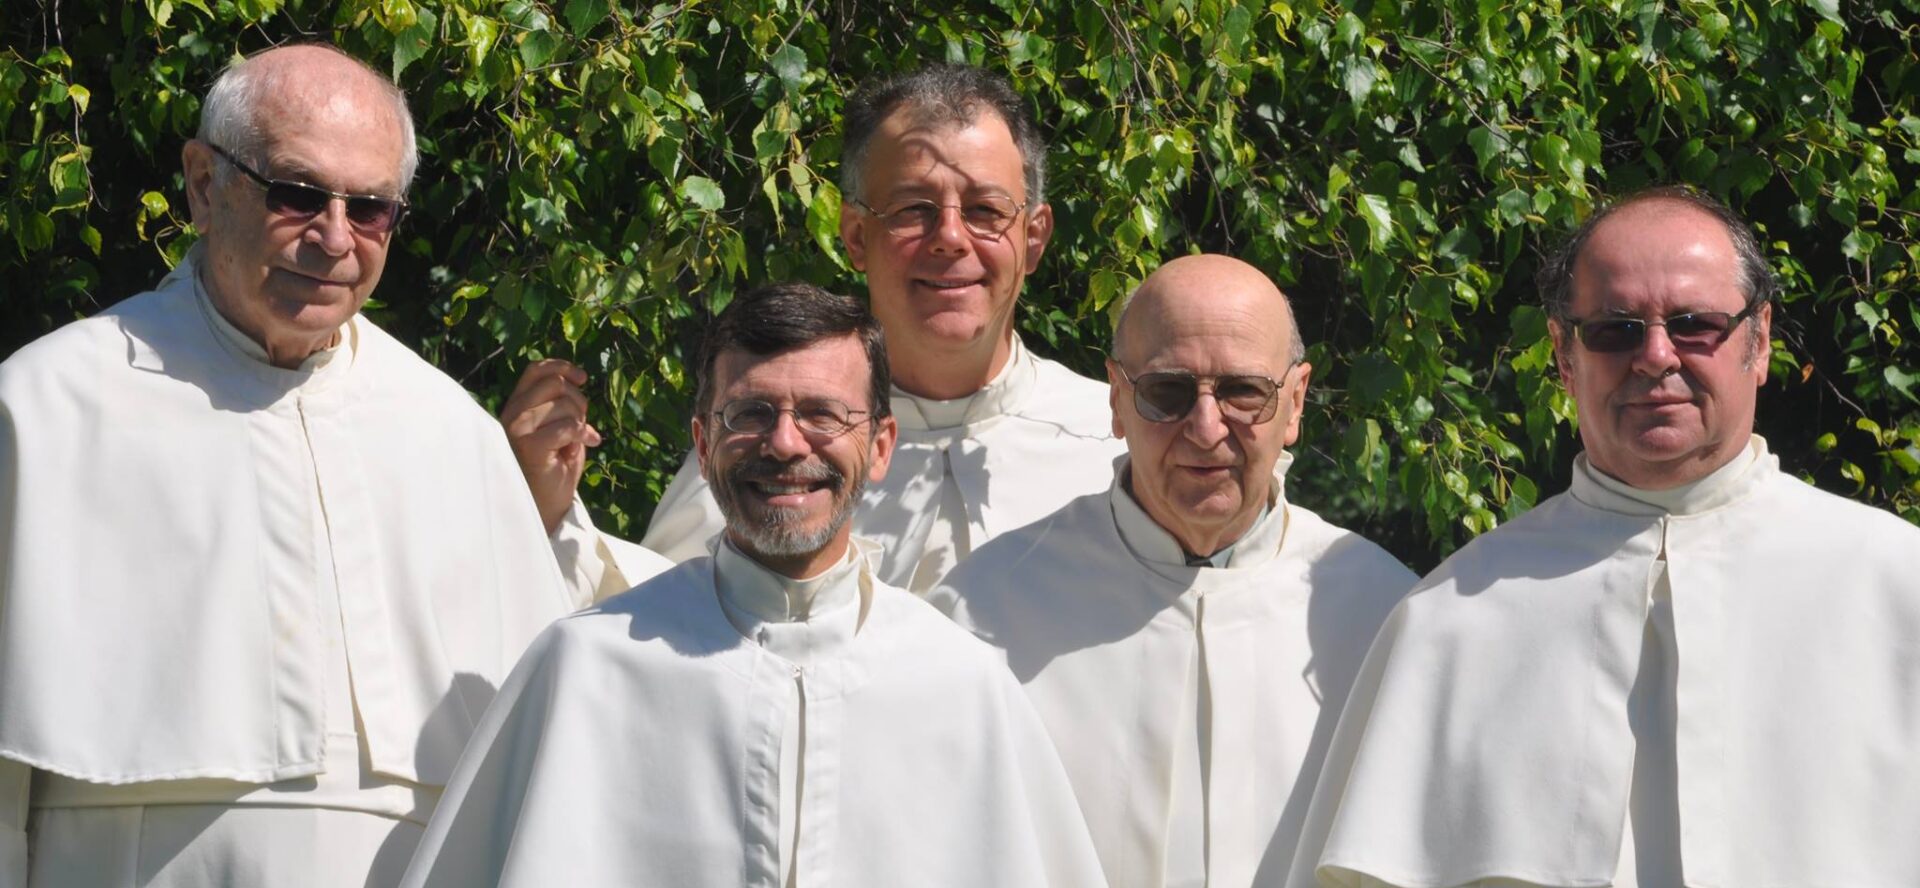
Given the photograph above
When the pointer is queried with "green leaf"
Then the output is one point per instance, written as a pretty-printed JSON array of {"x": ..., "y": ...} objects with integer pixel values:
[
  {"x": 80, "y": 96},
  {"x": 703, "y": 192},
  {"x": 790, "y": 64},
  {"x": 1379, "y": 217},
  {"x": 582, "y": 15},
  {"x": 1829, "y": 10},
  {"x": 1375, "y": 378},
  {"x": 573, "y": 322},
  {"x": 1901, "y": 380}
]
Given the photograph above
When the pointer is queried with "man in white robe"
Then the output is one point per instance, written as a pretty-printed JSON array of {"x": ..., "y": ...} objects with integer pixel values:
[
  {"x": 1689, "y": 669},
  {"x": 1188, "y": 635},
  {"x": 992, "y": 436},
  {"x": 261, "y": 567},
  {"x": 774, "y": 715}
]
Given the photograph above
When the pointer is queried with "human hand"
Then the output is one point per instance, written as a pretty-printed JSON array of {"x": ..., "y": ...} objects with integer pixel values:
[{"x": 546, "y": 422}]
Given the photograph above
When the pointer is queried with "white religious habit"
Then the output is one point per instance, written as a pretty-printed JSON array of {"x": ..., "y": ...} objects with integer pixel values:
[
  {"x": 722, "y": 725},
  {"x": 1190, "y": 699},
  {"x": 248, "y": 615},
  {"x": 963, "y": 472},
  {"x": 600, "y": 565},
  {"x": 1709, "y": 686}
]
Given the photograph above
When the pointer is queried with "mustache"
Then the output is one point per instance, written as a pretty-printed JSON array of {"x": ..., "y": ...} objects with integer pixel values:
[{"x": 760, "y": 468}]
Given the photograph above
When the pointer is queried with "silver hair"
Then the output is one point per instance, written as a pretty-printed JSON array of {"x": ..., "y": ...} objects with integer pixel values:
[
  {"x": 941, "y": 94},
  {"x": 230, "y": 116}
]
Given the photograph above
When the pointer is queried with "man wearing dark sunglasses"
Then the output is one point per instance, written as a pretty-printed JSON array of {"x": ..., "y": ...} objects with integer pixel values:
[
  {"x": 260, "y": 565},
  {"x": 1691, "y": 668},
  {"x": 943, "y": 173},
  {"x": 1188, "y": 635}
]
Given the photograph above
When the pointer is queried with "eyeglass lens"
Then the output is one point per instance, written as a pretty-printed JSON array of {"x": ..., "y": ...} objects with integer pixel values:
[
  {"x": 1694, "y": 330},
  {"x": 295, "y": 199},
  {"x": 755, "y": 417},
  {"x": 1169, "y": 397},
  {"x": 987, "y": 216}
]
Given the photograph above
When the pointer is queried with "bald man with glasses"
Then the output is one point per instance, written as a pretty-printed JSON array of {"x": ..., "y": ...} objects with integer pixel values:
[{"x": 1188, "y": 635}]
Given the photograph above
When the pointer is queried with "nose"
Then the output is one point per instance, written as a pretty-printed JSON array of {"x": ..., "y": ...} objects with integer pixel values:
[
  {"x": 330, "y": 230},
  {"x": 785, "y": 441},
  {"x": 1204, "y": 425},
  {"x": 950, "y": 233},
  {"x": 1656, "y": 356}
]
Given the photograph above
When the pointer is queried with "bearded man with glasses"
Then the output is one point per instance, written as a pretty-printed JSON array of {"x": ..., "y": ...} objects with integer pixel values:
[
  {"x": 261, "y": 566},
  {"x": 1689, "y": 669},
  {"x": 775, "y": 714},
  {"x": 943, "y": 174},
  {"x": 1188, "y": 634}
]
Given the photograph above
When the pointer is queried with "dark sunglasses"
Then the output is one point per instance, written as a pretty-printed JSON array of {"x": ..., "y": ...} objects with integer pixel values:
[
  {"x": 1692, "y": 329},
  {"x": 1169, "y": 397},
  {"x": 370, "y": 214}
]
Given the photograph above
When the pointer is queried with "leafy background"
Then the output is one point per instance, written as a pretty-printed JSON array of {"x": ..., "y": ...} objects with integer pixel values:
[{"x": 599, "y": 177}]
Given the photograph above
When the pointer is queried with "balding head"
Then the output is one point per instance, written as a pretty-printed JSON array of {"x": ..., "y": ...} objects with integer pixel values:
[
  {"x": 1180, "y": 290},
  {"x": 306, "y": 79},
  {"x": 292, "y": 144},
  {"x": 1208, "y": 384}
]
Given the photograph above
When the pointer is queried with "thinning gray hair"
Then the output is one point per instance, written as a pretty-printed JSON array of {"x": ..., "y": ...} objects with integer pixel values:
[
  {"x": 230, "y": 116},
  {"x": 1755, "y": 277},
  {"x": 941, "y": 94}
]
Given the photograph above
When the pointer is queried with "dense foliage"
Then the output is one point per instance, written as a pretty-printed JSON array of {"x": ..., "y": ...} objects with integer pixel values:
[{"x": 597, "y": 177}]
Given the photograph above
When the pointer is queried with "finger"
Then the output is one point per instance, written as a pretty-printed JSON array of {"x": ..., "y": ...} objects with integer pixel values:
[
  {"x": 549, "y": 389},
  {"x": 553, "y": 437}
]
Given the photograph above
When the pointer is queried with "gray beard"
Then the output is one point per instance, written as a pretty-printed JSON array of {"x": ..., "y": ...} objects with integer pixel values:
[{"x": 777, "y": 531}]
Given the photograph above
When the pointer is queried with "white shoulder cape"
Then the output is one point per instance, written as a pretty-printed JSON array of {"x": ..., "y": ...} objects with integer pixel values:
[
  {"x": 157, "y": 598},
  {"x": 1102, "y": 643},
  {"x": 638, "y": 743},
  {"x": 1488, "y": 737}
]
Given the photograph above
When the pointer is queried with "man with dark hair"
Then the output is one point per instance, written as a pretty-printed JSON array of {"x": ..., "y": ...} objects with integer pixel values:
[
  {"x": 943, "y": 174},
  {"x": 1691, "y": 668},
  {"x": 775, "y": 714},
  {"x": 260, "y": 565}
]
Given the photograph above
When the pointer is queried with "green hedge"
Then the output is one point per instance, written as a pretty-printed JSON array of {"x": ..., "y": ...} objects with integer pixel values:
[{"x": 598, "y": 177}]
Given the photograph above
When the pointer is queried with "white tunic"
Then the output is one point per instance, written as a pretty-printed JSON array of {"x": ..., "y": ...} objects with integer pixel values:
[
  {"x": 1612, "y": 688},
  {"x": 248, "y": 616},
  {"x": 1189, "y": 704},
  {"x": 697, "y": 732},
  {"x": 964, "y": 471}
]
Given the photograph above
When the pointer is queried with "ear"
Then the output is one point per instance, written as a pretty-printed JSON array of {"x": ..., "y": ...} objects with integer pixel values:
[
  {"x": 1113, "y": 396},
  {"x": 700, "y": 444},
  {"x": 1763, "y": 356},
  {"x": 1296, "y": 403},
  {"x": 1562, "y": 351},
  {"x": 853, "y": 225},
  {"x": 886, "y": 432},
  {"x": 197, "y": 161},
  {"x": 1038, "y": 232}
]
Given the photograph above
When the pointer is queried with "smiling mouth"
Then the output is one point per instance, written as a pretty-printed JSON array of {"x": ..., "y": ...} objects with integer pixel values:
[{"x": 947, "y": 283}]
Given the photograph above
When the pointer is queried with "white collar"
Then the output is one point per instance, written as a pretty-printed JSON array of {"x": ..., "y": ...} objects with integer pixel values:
[
  {"x": 243, "y": 345},
  {"x": 1720, "y": 487},
  {"x": 799, "y": 620},
  {"x": 1154, "y": 545},
  {"x": 1004, "y": 394}
]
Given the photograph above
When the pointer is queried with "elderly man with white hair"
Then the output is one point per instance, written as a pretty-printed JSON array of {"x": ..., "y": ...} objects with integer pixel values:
[
  {"x": 1189, "y": 635},
  {"x": 261, "y": 567}
]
